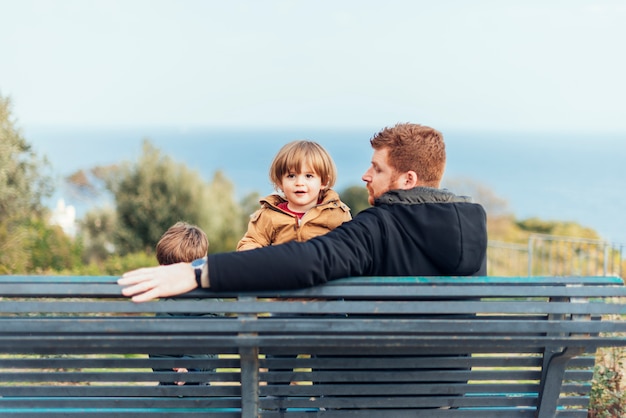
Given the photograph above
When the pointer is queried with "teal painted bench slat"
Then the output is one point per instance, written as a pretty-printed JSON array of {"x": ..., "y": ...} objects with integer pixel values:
[{"x": 368, "y": 347}]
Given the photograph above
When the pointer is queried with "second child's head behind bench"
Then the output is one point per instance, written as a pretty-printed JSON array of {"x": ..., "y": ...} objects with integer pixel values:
[{"x": 182, "y": 242}]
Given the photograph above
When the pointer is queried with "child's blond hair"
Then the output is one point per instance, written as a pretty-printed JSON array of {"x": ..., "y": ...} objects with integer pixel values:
[
  {"x": 293, "y": 155},
  {"x": 182, "y": 242}
]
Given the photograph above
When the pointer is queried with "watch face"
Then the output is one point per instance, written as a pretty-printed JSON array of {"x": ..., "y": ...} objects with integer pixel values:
[{"x": 198, "y": 262}]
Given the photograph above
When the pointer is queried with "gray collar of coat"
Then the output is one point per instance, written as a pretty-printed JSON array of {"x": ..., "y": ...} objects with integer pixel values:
[{"x": 419, "y": 195}]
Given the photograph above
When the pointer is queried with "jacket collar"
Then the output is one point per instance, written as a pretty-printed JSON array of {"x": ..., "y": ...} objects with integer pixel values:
[{"x": 419, "y": 195}]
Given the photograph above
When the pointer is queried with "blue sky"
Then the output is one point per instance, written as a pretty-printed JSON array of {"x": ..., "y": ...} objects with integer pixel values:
[{"x": 497, "y": 65}]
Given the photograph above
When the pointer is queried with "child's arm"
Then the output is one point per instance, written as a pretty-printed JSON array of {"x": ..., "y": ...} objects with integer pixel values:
[{"x": 259, "y": 233}]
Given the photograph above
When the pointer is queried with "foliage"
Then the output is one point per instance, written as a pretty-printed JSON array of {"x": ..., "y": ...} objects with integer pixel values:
[
  {"x": 23, "y": 185},
  {"x": 356, "y": 199},
  {"x": 152, "y": 195},
  {"x": 91, "y": 185},
  {"x": 116, "y": 265},
  {"x": 608, "y": 398},
  {"x": 98, "y": 227},
  {"x": 113, "y": 265},
  {"x": 223, "y": 214},
  {"x": 97, "y": 230},
  {"x": 13, "y": 252},
  {"x": 50, "y": 248},
  {"x": 156, "y": 192},
  {"x": 249, "y": 204},
  {"x": 560, "y": 228},
  {"x": 39, "y": 248}
]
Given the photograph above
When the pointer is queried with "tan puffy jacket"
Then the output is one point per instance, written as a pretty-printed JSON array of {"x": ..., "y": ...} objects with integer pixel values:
[{"x": 271, "y": 225}]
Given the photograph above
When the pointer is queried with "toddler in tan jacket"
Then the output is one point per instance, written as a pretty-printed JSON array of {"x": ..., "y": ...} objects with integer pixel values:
[{"x": 304, "y": 172}]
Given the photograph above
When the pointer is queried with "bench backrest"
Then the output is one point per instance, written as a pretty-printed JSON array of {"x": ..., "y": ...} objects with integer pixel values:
[{"x": 410, "y": 346}]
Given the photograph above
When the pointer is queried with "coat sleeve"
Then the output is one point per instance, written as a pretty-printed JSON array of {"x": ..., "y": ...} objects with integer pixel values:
[
  {"x": 349, "y": 250},
  {"x": 259, "y": 233}
]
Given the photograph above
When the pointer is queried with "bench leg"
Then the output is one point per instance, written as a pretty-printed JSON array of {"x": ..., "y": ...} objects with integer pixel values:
[
  {"x": 249, "y": 381},
  {"x": 554, "y": 365}
]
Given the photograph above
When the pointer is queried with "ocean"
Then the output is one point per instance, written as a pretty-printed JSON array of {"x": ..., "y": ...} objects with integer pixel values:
[{"x": 552, "y": 176}]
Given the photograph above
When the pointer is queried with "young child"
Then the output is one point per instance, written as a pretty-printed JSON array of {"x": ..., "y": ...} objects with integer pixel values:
[
  {"x": 182, "y": 242},
  {"x": 304, "y": 172}
]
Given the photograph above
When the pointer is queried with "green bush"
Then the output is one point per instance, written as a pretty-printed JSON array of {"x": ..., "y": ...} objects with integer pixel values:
[{"x": 608, "y": 398}]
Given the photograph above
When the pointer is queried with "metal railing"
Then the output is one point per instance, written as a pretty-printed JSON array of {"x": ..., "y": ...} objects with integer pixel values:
[{"x": 550, "y": 255}]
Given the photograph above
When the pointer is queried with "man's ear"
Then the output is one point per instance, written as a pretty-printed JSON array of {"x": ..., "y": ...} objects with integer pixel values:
[{"x": 409, "y": 180}]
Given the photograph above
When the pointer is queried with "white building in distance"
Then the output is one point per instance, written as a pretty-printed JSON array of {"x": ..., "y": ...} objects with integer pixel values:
[{"x": 65, "y": 217}]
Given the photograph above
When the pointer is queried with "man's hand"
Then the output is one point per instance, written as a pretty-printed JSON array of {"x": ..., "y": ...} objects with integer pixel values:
[{"x": 150, "y": 283}]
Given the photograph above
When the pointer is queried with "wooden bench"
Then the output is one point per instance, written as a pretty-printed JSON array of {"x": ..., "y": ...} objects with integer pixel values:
[{"x": 367, "y": 347}]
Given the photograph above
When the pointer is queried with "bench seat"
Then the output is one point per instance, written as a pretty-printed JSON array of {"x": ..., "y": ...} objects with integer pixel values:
[{"x": 367, "y": 347}]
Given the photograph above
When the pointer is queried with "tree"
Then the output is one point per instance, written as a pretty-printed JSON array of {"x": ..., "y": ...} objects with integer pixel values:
[
  {"x": 558, "y": 228},
  {"x": 356, "y": 198},
  {"x": 97, "y": 229},
  {"x": 50, "y": 249},
  {"x": 91, "y": 186},
  {"x": 224, "y": 227},
  {"x": 249, "y": 204},
  {"x": 23, "y": 186},
  {"x": 156, "y": 192},
  {"x": 151, "y": 196}
]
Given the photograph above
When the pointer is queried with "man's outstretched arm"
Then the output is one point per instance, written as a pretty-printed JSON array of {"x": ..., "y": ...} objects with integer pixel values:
[{"x": 151, "y": 283}]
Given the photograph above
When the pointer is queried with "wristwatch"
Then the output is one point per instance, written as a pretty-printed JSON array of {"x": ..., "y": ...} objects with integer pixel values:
[{"x": 198, "y": 266}]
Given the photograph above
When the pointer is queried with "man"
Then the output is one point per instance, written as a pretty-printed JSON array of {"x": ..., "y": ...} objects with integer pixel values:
[{"x": 413, "y": 229}]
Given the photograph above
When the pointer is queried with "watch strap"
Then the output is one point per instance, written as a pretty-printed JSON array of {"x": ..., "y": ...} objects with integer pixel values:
[
  {"x": 198, "y": 272},
  {"x": 198, "y": 266}
]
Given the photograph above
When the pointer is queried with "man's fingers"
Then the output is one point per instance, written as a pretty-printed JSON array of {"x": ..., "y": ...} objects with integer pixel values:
[
  {"x": 136, "y": 276},
  {"x": 137, "y": 287},
  {"x": 150, "y": 283},
  {"x": 125, "y": 281},
  {"x": 149, "y": 295}
]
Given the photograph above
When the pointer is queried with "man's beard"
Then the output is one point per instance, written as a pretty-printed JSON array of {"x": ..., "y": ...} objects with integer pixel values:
[{"x": 370, "y": 192}]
